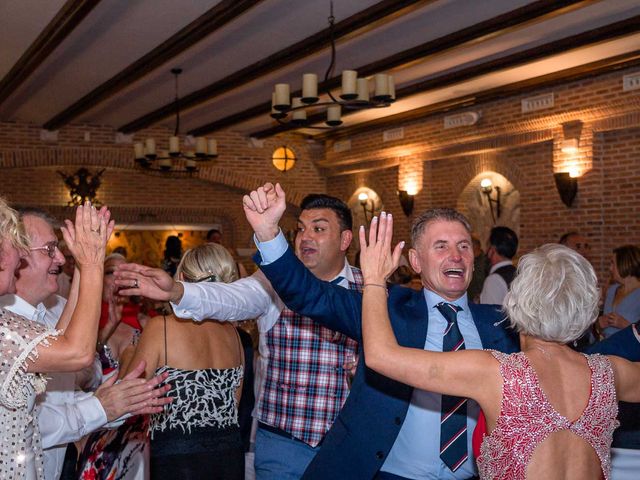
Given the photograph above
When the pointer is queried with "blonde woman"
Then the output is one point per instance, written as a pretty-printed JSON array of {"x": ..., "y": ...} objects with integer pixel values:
[
  {"x": 197, "y": 436},
  {"x": 29, "y": 349}
]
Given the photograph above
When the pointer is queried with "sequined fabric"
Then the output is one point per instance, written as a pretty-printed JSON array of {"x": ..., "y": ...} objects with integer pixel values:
[
  {"x": 20, "y": 448},
  {"x": 527, "y": 418}
]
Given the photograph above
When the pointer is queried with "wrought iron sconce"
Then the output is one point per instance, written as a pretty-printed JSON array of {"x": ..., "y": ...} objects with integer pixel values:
[
  {"x": 487, "y": 188},
  {"x": 406, "y": 201},
  {"x": 368, "y": 206},
  {"x": 567, "y": 186},
  {"x": 83, "y": 185}
]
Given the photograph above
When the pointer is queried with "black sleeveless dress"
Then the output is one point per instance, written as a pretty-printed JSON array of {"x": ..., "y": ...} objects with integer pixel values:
[{"x": 198, "y": 435}]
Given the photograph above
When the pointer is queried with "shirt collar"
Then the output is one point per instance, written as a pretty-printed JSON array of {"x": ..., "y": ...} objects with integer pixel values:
[
  {"x": 23, "y": 308},
  {"x": 501, "y": 264},
  {"x": 345, "y": 273},
  {"x": 433, "y": 299}
]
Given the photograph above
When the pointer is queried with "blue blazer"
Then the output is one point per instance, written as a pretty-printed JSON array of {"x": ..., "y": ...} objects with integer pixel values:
[{"x": 364, "y": 432}]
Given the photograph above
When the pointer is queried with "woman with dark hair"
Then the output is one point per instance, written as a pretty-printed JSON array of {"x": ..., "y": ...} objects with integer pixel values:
[{"x": 622, "y": 302}]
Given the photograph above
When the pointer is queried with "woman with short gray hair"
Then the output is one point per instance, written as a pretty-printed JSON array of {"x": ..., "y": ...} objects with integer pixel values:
[{"x": 534, "y": 400}]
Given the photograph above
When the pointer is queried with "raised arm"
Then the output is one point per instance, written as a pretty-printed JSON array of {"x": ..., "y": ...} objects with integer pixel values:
[
  {"x": 463, "y": 373},
  {"x": 627, "y": 377},
  {"x": 330, "y": 305},
  {"x": 243, "y": 299},
  {"x": 75, "y": 347}
]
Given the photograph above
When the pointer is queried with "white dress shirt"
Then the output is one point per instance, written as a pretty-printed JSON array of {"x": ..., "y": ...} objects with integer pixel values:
[
  {"x": 245, "y": 299},
  {"x": 495, "y": 288},
  {"x": 64, "y": 414}
]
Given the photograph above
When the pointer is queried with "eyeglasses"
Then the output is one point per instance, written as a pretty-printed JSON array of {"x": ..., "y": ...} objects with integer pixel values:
[{"x": 50, "y": 248}]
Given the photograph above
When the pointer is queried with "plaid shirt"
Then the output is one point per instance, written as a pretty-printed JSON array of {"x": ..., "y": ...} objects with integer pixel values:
[{"x": 306, "y": 383}]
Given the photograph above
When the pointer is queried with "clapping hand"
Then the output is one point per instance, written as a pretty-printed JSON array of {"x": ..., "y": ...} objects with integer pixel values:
[
  {"x": 87, "y": 237},
  {"x": 263, "y": 208},
  {"x": 376, "y": 259}
]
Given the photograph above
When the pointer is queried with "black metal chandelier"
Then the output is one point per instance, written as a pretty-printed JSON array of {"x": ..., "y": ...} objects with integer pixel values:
[
  {"x": 355, "y": 94},
  {"x": 174, "y": 161}
]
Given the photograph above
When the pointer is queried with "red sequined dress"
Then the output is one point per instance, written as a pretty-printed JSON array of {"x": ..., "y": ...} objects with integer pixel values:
[{"x": 527, "y": 418}]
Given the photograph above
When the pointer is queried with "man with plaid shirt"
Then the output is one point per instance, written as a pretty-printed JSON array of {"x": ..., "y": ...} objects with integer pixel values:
[{"x": 305, "y": 368}]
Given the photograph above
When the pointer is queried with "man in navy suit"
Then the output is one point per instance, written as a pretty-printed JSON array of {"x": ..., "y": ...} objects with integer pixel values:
[{"x": 387, "y": 430}]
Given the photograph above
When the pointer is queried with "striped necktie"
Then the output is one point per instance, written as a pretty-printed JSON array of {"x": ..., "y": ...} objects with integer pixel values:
[{"x": 453, "y": 419}]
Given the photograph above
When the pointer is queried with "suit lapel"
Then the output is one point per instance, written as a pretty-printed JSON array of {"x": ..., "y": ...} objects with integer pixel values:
[{"x": 415, "y": 320}]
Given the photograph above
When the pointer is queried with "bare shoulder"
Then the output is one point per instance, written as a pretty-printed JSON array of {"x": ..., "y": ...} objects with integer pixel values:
[{"x": 155, "y": 325}]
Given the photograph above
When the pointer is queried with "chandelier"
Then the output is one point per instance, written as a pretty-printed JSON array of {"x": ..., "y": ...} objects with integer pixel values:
[
  {"x": 175, "y": 161},
  {"x": 355, "y": 94}
]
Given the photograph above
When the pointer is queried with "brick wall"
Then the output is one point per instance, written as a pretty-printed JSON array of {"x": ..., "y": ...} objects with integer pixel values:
[
  {"x": 441, "y": 164},
  {"x": 526, "y": 150}
]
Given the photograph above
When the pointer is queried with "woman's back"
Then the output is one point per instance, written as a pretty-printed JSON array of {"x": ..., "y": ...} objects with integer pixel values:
[
  {"x": 198, "y": 435},
  {"x": 556, "y": 420}
]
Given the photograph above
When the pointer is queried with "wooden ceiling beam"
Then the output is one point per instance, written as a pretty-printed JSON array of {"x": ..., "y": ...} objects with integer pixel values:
[
  {"x": 596, "y": 35},
  {"x": 619, "y": 62},
  {"x": 65, "y": 21},
  {"x": 359, "y": 23},
  {"x": 499, "y": 25},
  {"x": 214, "y": 19}
]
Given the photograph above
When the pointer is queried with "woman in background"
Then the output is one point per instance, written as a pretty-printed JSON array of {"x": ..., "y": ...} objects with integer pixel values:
[
  {"x": 198, "y": 436},
  {"x": 622, "y": 302},
  {"x": 622, "y": 307},
  {"x": 534, "y": 400}
]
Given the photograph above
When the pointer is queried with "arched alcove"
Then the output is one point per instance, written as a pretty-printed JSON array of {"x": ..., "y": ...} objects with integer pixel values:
[
  {"x": 473, "y": 203},
  {"x": 373, "y": 206}
]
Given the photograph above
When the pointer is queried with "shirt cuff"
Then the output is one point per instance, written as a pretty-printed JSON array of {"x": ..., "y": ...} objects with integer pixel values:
[
  {"x": 92, "y": 413},
  {"x": 189, "y": 302},
  {"x": 271, "y": 250}
]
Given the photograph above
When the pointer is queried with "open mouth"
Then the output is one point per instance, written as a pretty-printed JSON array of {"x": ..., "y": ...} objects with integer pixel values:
[
  {"x": 308, "y": 251},
  {"x": 454, "y": 272},
  {"x": 55, "y": 271}
]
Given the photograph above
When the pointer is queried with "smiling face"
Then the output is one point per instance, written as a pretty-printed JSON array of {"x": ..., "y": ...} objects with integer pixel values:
[
  {"x": 38, "y": 277},
  {"x": 10, "y": 259},
  {"x": 320, "y": 244},
  {"x": 443, "y": 256}
]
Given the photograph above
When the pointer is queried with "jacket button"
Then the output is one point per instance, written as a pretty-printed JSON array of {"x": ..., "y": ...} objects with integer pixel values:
[
  {"x": 379, "y": 455},
  {"x": 398, "y": 421}
]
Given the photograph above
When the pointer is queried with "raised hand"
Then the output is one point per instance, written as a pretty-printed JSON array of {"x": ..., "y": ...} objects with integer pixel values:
[
  {"x": 153, "y": 283},
  {"x": 87, "y": 237},
  {"x": 263, "y": 208},
  {"x": 376, "y": 259}
]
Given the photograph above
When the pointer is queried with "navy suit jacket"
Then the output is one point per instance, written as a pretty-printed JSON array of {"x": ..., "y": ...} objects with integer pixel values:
[{"x": 364, "y": 432}]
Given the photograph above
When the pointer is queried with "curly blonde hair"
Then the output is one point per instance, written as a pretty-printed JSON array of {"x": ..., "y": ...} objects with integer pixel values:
[
  {"x": 209, "y": 262},
  {"x": 11, "y": 227}
]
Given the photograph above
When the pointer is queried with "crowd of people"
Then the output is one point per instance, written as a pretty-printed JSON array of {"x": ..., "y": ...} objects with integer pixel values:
[{"x": 357, "y": 375}]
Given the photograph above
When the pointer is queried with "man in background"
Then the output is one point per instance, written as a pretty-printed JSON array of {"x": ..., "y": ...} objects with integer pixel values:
[{"x": 503, "y": 245}]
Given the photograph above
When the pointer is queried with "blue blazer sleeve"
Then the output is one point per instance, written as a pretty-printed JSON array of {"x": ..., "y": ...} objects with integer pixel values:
[
  {"x": 332, "y": 306},
  {"x": 623, "y": 344}
]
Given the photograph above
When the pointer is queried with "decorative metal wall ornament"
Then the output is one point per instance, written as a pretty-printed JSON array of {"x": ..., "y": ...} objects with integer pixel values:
[{"x": 83, "y": 185}]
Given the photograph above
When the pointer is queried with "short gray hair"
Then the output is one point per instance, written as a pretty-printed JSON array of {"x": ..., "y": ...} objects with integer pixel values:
[
  {"x": 39, "y": 213},
  {"x": 434, "y": 215},
  {"x": 554, "y": 296}
]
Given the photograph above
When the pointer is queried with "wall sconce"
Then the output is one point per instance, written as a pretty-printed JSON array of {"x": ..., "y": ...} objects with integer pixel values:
[
  {"x": 567, "y": 185},
  {"x": 487, "y": 188},
  {"x": 570, "y": 146},
  {"x": 83, "y": 185},
  {"x": 406, "y": 201},
  {"x": 367, "y": 206}
]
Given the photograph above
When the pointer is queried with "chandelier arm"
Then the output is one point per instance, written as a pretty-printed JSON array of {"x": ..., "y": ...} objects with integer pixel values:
[
  {"x": 177, "y": 103},
  {"x": 332, "y": 64}
]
